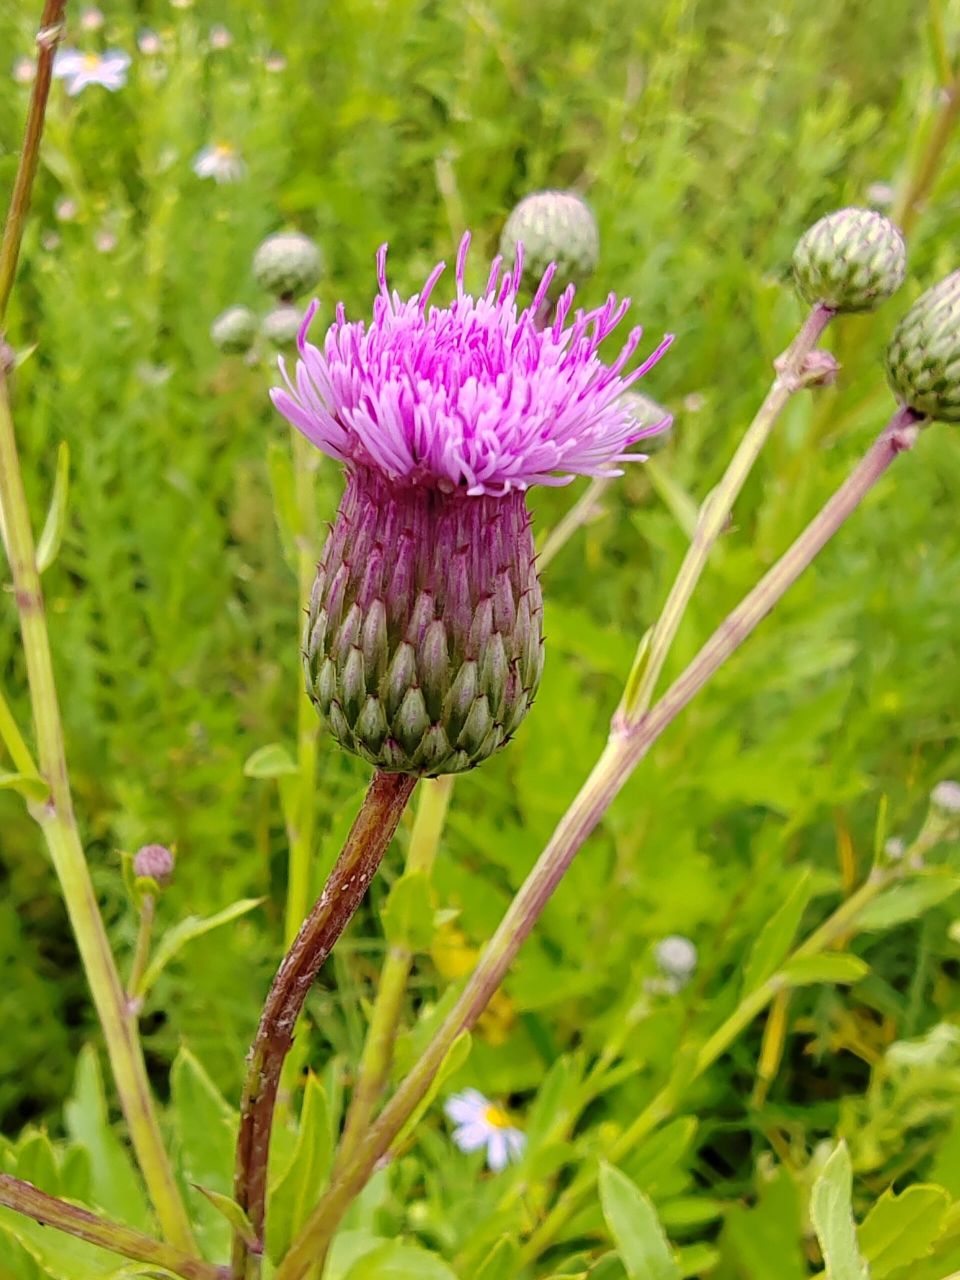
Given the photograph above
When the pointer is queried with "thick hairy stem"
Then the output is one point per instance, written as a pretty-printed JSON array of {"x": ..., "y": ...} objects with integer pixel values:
[
  {"x": 28, "y": 1200},
  {"x": 365, "y": 846},
  {"x": 56, "y": 819},
  {"x": 622, "y": 754}
]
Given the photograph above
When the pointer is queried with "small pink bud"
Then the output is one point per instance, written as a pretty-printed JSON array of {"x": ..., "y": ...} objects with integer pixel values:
[{"x": 154, "y": 861}]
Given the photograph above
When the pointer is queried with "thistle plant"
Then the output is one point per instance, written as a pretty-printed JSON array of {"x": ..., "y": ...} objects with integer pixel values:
[{"x": 422, "y": 655}]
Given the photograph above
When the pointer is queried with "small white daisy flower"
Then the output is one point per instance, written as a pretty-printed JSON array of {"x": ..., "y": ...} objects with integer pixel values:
[
  {"x": 80, "y": 69},
  {"x": 219, "y": 161},
  {"x": 481, "y": 1123},
  {"x": 220, "y": 37},
  {"x": 24, "y": 71}
]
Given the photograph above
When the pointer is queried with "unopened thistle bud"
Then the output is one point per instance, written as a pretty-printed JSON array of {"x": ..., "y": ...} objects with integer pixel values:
[
  {"x": 234, "y": 330},
  {"x": 287, "y": 264},
  {"x": 851, "y": 260},
  {"x": 155, "y": 862},
  {"x": 923, "y": 359},
  {"x": 553, "y": 227},
  {"x": 281, "y": 325},
  {"x": 423, "y": 647}
]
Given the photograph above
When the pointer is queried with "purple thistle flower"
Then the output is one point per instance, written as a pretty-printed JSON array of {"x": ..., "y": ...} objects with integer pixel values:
[{"x": 423, "y": 646}]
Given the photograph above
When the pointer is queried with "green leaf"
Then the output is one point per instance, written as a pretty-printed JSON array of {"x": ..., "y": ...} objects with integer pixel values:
[
  {"x": 60, "y": 1257},
  {"x": 775, "y": 939},
  {"x": 453, "y": 1060},
  {"x": 48, "y": 544},
  {"x": 501, "y": 1262},
  {"x": 226, "y": 1205},
  {"x": 298, "y": 1188},
  {"x": 901, "y": 1229},
  {"x": 395, "y": 1261},
  {"x": 831, "y": 1211},
  {"x": 407, "y": 917},
  {"x": 271, "y": 761},
  {"x": 114, "y": 1181},
  {"x": 834, "y": 966},
  {"x": 907, "y": 901},
  {"x": 29, "y": 785},
  {"x": 347, "y": 1247},
  {"x": 206, "y": 1129},
  {"x": 185, "y": 931},
  {"x": 635, "y": 1228}
]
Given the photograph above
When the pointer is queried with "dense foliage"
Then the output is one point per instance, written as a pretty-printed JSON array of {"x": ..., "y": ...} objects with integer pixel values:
[{"x": 706, "y": 138}]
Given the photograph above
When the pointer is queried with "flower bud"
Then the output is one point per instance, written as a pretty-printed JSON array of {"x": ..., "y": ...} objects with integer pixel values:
[
  {"x": 155, "y": 862},
  {"x": 851, "y": 260},
  {"x": 287, "y": 264},
  {"x": 676, "y": 957},
  {"x": 234, "y": 330},
  {"x": 553, "y": 226},
  {"x": 281, "y": 325},
  {"x": 647, "y": 413},
  {"x": 923, "y": 359}
]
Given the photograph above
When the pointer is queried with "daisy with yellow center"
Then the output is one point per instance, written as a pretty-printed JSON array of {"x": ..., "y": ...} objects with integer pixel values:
[
  {"x": 220, "y": 161},
  {"x": 480, "y": 1123},
  {"x": 109, "y": 70}
]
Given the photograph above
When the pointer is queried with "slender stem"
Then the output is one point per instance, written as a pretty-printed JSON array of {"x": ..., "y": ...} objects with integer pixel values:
[
  {"x": 141, "y": 950},
  {"x": 365, "y": 846},
  {"x": 910, "y": 203},
  {"x": 27, "y": 1199},
  {"x": 301, "y": 822},
  {"x": 57, "y": 821},
  {"x": 663, "y": 1105},
  {"x": 583, "y": 510},
  {"x": 619, "y": 758},
  {"x": 47, "y": 39},
  {"x": 715, "y": 513},
  {"x": 13, "y": 739},
  {"x": 388, "y": 1006}
]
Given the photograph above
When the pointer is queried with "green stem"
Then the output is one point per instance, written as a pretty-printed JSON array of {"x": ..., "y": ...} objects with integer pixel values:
[
  {"x": 57, "y": 821},
  {"x": 48, "y": 38},
  {"x": 714, "y": 515},
  {"x": 13, "y": 739},
  {"x": 28, "y": 1200},
  {"x": 141, "y": 950},
  {"x": 369, "y": 838},
  {"x": 910, "y": 203},
  {"x": 301, "y": 821},
  {"x": 388, "y": 1006},
  {"x": 624, "y": 751},
  {"x": 665, "y": 1103}
]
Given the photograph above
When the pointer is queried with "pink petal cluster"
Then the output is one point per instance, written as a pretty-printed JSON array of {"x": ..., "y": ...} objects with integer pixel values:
[{"x": 477, "y": 396}]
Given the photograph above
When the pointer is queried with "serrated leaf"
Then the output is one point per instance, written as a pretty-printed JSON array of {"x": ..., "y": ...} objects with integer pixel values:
[
  {"x": 831, "y": 1211},
  {"x": 907, "y": 901},
  {"x": 29, "y": 785},
  {"x": 834, "y": 966},
  {"x": 298, "y": 1188},
  {"x": 271, "y": 761},
  {"x": 641, "y": 1243},
  {"x": 775, "y": 939},
  {"x": 185, "y": 931},
  {"x": 114, "y": 1181},
  {"x": 396, "y": 1261},
  {"x": 901, "y": 1229},
  {"x": 407, "y": 917},
  {"x": 48, "y": 544}
]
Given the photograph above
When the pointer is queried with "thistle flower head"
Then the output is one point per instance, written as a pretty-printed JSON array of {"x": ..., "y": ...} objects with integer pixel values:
[
  {"x": 423, "y": 647},
  {"x": 851, "y": 260},
  {"x": 473, "y": 396},
  {"x": 923, "y": 359}
]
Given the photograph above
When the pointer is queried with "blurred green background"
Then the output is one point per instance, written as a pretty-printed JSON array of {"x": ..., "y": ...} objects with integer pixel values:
[{"x": 706, "y": 137}]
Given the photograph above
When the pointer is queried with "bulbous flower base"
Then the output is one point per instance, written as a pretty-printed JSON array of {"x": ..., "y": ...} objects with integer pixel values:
[{"x": 423, "y": 647}]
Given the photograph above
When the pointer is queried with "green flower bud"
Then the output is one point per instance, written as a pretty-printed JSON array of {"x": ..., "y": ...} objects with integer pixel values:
[
  {"x": 281, "y": 325},
  {"x": 287, "y": 264},
  {"x": 851, "y": 260},
  {"x": 234, "y": 330},
  {"x": 553, "y": 226},
  {"x": 648, "y": 413},
  {"x": 923, "y": 359}
]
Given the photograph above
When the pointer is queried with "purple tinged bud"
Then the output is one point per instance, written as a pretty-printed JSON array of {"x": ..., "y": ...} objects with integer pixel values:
[{"x": 155, "y": 862}]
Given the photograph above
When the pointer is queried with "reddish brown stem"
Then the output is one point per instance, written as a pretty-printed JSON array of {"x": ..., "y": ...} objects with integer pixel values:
[{"x": 369, "y": 837}]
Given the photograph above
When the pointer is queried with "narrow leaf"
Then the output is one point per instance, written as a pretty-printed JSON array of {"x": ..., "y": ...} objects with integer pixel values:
[
  {"x": 30, "y": 786},
  {"x": 271, "y": 761},
  {"x": 775, "y": 939},
  {"x": 835, "y": 966},
  {"x": 907, "y": 901},
  {"x": 831, "y": 1210},
  {"x": 231, "y": 1211},
  {"x": 185, "y": 931},
  {"x": 50, "y": 539},
  {"x": 635, "y": 1227}
]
